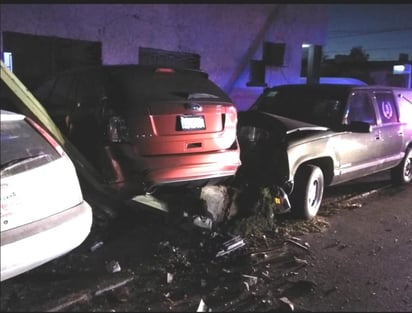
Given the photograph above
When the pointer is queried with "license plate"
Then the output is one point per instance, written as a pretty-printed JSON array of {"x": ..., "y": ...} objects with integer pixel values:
[{"x": 194, "y": 122}]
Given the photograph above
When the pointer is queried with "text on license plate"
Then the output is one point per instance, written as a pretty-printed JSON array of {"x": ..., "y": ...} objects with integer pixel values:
[{"x": 193, "y": 122}]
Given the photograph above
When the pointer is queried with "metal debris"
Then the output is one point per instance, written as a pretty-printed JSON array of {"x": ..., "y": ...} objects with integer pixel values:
[
  {"x": 251, "y": 280},
  {"x": 231, "y": 245},
  {"x": 304, "y": 246},
  {"x": 279, "y": 253}
]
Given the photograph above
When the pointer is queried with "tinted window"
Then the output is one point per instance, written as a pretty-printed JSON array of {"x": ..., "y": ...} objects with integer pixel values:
[
  {"x": 320, "y": 105},
  {"x": 360, "y": 109},
  {"x": 143, "y": 84}
]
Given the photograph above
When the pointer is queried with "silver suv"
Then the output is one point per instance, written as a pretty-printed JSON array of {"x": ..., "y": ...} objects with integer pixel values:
[{"x": 305, "y": 137}]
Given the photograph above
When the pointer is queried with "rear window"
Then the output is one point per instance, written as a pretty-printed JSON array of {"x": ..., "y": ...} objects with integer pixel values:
[
  {"x": 136, "y": 84},
  {"x": 23, "y": 148},
  {"x": 321, "y": 105}
]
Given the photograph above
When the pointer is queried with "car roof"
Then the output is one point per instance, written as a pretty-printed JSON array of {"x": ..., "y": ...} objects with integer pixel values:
[
  {"x": 137, "y": 67},
  {"x": 10, "y": 116},
  {"x": 157, "y": 83},
  {"x": 340, "y": 87}
]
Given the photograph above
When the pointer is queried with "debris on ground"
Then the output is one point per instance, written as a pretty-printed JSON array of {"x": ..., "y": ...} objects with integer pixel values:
[
  {"x": 96, "y": 246},
  {"x": 286, "y": 305},
  {"x": 202, "y": 306},
  {"x": 113, "y": 267},
  {"x": 231, "y": 245},
  {"x": 203, "y": 222}
]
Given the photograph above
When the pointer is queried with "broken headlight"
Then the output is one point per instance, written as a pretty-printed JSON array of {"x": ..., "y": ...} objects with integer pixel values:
[{"x": 252, "y": 134}]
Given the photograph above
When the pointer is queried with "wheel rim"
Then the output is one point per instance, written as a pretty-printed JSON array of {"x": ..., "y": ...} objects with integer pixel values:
[
  {"x": 313, "y": 197},
  {"x": 407, "y": 172}
]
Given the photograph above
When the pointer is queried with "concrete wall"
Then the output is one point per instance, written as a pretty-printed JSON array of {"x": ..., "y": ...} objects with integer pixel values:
[{"x": 226, "y": 36}]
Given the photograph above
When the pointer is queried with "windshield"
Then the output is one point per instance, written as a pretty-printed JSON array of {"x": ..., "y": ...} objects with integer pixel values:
[{"x": 320, "y": 105}]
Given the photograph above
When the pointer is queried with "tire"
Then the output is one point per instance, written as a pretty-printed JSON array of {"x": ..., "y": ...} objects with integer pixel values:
[
  {"x": 308, "y": 192},
  {"x": 402, "y": 174}
]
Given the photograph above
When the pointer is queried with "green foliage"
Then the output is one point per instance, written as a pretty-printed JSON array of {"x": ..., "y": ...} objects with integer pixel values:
[{"x": 264, "y": 218}]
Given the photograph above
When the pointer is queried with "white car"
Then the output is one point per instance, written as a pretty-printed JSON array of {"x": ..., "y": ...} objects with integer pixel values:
[{"x": 43, "y": 213}]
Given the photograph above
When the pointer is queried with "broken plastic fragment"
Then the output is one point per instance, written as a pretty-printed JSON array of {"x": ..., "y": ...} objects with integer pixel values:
[
  {"x": 286, "y": 304},
  {"x": 113, "y": 267},
  {"x": 300, "y": 261},
  {"x": 202, "y": 306},
  {"x": 203, "y": 222},
  {"x": 169, "y": 278},
  {"x": 96, "y": 246}
]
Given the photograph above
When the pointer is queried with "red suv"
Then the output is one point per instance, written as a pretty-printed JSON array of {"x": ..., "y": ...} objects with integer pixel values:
[{"x": 144, "y": 127}]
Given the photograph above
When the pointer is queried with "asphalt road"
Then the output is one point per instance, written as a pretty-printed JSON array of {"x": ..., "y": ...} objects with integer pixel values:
[{"x": 363, "y": 262}]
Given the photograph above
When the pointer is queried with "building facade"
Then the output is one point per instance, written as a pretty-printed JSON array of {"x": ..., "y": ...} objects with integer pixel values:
[{"x": 243, "y": 47}]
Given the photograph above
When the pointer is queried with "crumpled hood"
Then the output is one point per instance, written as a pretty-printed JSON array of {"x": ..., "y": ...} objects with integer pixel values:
[{"x": 292, "y": 126}]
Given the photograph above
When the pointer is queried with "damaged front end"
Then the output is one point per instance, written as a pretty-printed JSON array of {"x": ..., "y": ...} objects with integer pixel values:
[{"x": 263, "y": 154}]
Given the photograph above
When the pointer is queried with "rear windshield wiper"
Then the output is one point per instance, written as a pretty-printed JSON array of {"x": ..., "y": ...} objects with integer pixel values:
[{"x": 20, "y": 161}]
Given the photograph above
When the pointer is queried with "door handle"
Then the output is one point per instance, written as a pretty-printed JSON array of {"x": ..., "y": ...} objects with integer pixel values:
[{"x": 378, "y": 135}]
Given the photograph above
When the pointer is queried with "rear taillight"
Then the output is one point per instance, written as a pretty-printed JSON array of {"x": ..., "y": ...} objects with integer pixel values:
[
  {"x": 46, "y": 135},
  {"x": 164, "y": 70},
  {"x": 117, "y": 130},
  {"x": 231, "y": 117}
]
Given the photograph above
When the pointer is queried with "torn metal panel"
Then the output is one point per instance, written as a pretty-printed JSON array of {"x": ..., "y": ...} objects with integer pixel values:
[{"x": 152, "y": 201}]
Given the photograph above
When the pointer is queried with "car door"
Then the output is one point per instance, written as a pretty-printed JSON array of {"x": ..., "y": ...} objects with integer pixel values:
[
  {"x": 358, "y": 150},
  {"x": 389, "y": 129}
]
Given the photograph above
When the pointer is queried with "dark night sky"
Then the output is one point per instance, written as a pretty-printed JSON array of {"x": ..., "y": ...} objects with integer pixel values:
[{"x": 382, "y": 30}]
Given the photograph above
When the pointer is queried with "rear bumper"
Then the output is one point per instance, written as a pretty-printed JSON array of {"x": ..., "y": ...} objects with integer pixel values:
[
  {"x": 172, "y": 169},
  {"x": 29, "y": 246},
  {"x": 159, "y": 170}
]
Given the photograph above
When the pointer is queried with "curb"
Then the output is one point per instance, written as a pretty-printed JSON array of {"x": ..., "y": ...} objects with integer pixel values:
[{"x": 87, "y": 294}]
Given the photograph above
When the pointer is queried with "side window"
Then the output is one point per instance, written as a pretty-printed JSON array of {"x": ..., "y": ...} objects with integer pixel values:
[
  {"x": 360, "y": 109},
  {"x": 387, "y": 107}
]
